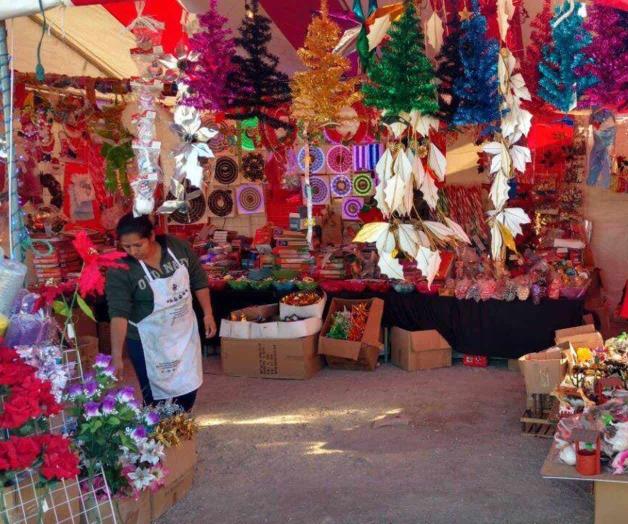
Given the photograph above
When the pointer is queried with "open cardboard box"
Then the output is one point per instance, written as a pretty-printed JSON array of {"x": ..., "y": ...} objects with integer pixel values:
[
  {"x": 271, "y": 358},
  {"x": 414, "y": 350},
  {"x": 247, "y": 329},
  {"x": 543, "y": 371},
  {"x": 311, "y": 311},
  {"x": 348, "y": 354}
]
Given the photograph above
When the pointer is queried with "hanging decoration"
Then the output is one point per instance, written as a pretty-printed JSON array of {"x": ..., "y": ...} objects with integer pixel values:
[
  {"x": 250, "y": 199},
  {"x": 249, "y": 137},
  {"x": 362, "y": 44},
  {"x": 476, "y": 87},
  {"x": 314, "y": 155},
  {"x": 254, "y": 85},
  {"x": 192, "y": 209},
  {"x": 175, "y": 67},
  {"x": 362, "y": 184},
  {"x": 206, "y": 77},
  {"x": 562, "y": 76},
  {"x": 609, "y": 28},
  {"x": 320, "y": 190},
  {"x": 434, "y": 32},
  {"x": 600, "y": 163},
  {"x": 365, "y": 157}
]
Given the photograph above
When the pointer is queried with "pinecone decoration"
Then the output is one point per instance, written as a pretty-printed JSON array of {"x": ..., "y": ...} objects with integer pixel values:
[
  {"x": 473, "y": 292},
  {"x": 523, "y": 292},
  {"x": 510, "y": 291}
]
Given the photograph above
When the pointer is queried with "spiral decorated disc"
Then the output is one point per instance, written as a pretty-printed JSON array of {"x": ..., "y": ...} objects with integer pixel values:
[
  {"x": 194, "y": 209},
  {"x": 250, "y": 199},
  {"x": 362, "y": 184},
  {"x": 320, "y": 190},
  {"x": 340, "y": 159},
  {"x": 317, "y": 159},
  {"x": 226, "y": 170},
  {"x": 220, "y": 202},
  {"x": 340, "y": 186},
  {"x": 351, "y": 208}
]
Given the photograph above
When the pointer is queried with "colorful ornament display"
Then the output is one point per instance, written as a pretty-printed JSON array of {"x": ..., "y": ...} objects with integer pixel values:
[
  {"x": 363, "y": 184},
  {"x": 339, "y": 159},
  {"x": 321, "y": 92},
  {"x": 225, "y": 170},
  {"x": 402, "y": 57},
  {"x": 317, "y": 159},
  {"x": 562, "y": 78},
  {"x": 340, "y": 185},
  {"x": 320, "y": 190},
  {"x": 254, "y": 84},
  {"x": 250, "y": 199},
  {"x": 206, "y": 79},
  {"x": 220, "y": 203},
  {"x": 476, "y": 88},
  {"x": 365, "y": 157},
  {"x": 351, "y": 208}
]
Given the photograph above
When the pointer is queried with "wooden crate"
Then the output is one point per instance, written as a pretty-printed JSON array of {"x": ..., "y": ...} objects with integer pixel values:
[{"x": 540, "y": 424}]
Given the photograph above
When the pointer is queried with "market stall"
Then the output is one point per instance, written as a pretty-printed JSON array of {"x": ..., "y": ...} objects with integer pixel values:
[{"x": 424, "y": 182}]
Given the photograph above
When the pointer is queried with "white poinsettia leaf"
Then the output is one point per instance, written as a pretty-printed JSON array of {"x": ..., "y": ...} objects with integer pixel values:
[
  {"x": 380, "y": 198},
  {"x": 397, "y": 128},
  {"x": 408, "y": 239},
  {"x": 513, "y": 218},
  {"x": 187, "y": 118},
  {"x": 437, "y": 228},
  {"x": 437, "y": 162},
  {"x": 375, "y": 232},
  {"x": 496, "y": 164},
  {"x": 430, "y": 191},
  {"x": 378, "y": 30},
  {"x": 520, "y": 157},
  {"x": 434, "y": 31},
  {"x": 499, "y": 191},
  {"x": 420, "y": 123},
  {"x": 423, "y": 239},
  {"x": 505, "y": 11},
  {"x": 203, "y": 150},
  {"x": 492, "y": 148},
  {"x": 496, "y": 241},
  {"x": 458, "y": 232},
  {"x": 519, "y": 88},
  {"x": 390, "y": 266},
  {"x": 384, "y": 166},
  {"x": 428, "y": 262}
]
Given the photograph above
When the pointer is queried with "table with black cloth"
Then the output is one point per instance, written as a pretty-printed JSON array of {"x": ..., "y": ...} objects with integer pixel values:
[{"x": 494, "y": 327}]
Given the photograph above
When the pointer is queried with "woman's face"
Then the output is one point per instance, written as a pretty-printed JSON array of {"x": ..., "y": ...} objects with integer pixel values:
[{"x": 136, "y": 246}]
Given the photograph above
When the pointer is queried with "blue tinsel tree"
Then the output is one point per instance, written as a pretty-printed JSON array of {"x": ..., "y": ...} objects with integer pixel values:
[
  {"x": 561, "y": 72},
  {"x": 476, "y": 89}
]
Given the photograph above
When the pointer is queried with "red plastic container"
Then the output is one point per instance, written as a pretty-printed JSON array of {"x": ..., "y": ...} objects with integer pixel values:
[
  {"x": 475, "y": 361},
  {"x": 354, "y": 286},
  {"x": 332, "y": 286}
]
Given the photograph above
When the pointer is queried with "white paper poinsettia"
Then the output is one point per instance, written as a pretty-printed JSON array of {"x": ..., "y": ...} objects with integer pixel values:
[
  {"x": 457, "y": 231},
  {"x": 397, "y": 128},
  {"x": 434, "y": 31},
  {"x": 420, "y": 123},
  {"x": 516, "y": 121},
  {"x": 380, "y": 233},
  {"x": 430, "y": 191},
  {"x": 378, "y": 30},
  {"x": 501, "y": 162},
  {"x": 437, "y": 162},
  {"x": 398, "y": 191},
  {"x": 499, "y": 191},
  {"x": 428, "y": 262},
  {"x": 512, "y": 218},
  {"x": 384, "y": 173},
  {"x": 390, "y": 266}
]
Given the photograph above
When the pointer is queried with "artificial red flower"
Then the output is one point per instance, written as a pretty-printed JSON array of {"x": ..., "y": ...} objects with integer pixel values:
[
  {"x": 59, "y": 460},
  {"x": 48, "y": 294},
  {"x": 13, "y": 373},
  {"x": 91, "y": 280},
  {"x": 27, "y": 449},
  {"x": 18, "y": 410},
  {"x": 8, "y": 457}
]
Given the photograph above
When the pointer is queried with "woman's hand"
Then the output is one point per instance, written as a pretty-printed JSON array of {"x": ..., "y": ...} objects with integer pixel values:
[{"x": 210, "y": 325}]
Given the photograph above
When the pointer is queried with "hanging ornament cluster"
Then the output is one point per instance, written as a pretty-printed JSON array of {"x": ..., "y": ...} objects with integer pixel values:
[
  {"x": 254, "y": 85},
  {"x": 147, "y": 32},
  {"x": 476, "y": 88},
  {"x": 206, "y": 77},
  {"x": 562, "y": 75}
]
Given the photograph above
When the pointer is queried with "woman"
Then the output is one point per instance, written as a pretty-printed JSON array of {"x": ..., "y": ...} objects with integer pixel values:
[{"x": 150, "y": 306}]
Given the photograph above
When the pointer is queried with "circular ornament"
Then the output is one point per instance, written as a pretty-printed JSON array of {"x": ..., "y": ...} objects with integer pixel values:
[
  {"x": 340, "y": 186},
  {"x": 362, "y": 184},
  {"x": 226, "y": 170},
  {"x": 340, "y": 159},
  {"x": 317, "y": 159},
  {"x": 253, "y": 167},
  {"x": 220, "y": 202}
]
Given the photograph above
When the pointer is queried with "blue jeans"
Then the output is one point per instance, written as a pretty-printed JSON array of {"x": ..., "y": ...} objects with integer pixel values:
[{"x": 136, "y": 354}]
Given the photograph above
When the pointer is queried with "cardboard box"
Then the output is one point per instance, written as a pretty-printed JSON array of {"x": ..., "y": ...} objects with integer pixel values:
[
  {"x": 414, "y": 350},
  {"x": 271, "y": 358},
  {"x": 129, "y": 510},
  {"x": 247, "y": 329},
  {"x": 543, "y": 371},
  {"x": 568, "y": 334},
  {"x": 347, "y": 354},
  {"x": 311, "y": 311},
  {"x": 180, "y": 462},
  {"x": 23, "y": 502}
]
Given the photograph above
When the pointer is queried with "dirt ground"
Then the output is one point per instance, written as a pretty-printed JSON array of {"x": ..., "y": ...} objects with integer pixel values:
[{"x": 313, "y": 452}]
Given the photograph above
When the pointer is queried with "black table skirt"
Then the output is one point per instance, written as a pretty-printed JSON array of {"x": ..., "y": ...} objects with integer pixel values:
[{"x": 494, "y": 328}]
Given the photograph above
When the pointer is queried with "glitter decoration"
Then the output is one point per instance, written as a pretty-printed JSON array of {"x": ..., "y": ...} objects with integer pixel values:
[
  {"x": 340, "y": 186},
  {"x": 362, "y": 184},
  {"x": 253, "y": 167},
  {"x": 320, "y": 190},
  {"x": 351, "y": 208},
  {"x": 317, "y": 159}
]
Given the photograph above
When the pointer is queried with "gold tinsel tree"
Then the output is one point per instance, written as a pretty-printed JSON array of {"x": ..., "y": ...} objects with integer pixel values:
[{"x": 321, "y": 92}]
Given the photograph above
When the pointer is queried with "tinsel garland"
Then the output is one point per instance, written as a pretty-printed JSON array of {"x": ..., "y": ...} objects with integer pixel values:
[
  {"x": 562, "y": 78},
  {"x": 402, "y": 79},
  {"x": 609, "y": 57},
  {"x": 208, "y": 76},
  {"x": 476, "y": 88}
]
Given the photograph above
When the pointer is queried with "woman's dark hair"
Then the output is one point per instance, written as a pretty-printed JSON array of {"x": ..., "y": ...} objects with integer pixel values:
[{"x": 129, "y": 224}]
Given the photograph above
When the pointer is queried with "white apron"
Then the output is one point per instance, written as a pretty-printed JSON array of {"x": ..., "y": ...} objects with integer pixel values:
[{"x": 169, "y": 335}]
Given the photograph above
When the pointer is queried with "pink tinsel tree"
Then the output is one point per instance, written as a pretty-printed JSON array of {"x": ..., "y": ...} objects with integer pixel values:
[
  {"x": 208, "y": 76},
  {"x": 610, "y": 59}
]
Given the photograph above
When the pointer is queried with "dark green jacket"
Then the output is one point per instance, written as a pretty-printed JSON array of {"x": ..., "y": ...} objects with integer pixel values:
[{"x": 128, "y": 292}]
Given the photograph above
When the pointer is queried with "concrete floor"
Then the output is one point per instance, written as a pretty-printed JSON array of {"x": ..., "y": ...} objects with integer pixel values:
[{"x": 308, "y": 452}]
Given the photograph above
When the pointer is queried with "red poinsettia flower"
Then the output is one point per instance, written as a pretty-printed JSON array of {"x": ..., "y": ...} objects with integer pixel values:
[
  {"x": 27, "y": 449},
  {"x": 59, "y": 460},
  {"x": 48, "y": 294},
  {"x": 91, "y": 280}
]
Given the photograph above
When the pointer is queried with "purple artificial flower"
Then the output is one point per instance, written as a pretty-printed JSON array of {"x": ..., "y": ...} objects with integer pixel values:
[
  {"x": 126, "y": 394},
  {"x": 102, "y": 361},
  {"x": 75, "y": 390},
  {"x": 91, "y": 409},
  {"x": 109, "y": 371},
  {"x": 90, "y": 388},
  {"x": 139, "y": 433},
  {"x": 108, "y": 405},
  {"x": 152, "y": 418},
  {"x": 133, "y": 405}
]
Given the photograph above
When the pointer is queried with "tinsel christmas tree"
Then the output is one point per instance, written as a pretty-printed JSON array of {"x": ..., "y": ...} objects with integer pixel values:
[
  {"x": 321, "y": 92},
  {"x": 562, "y": 77},
  {"x": 255, "y": 84},
  {"x": 540, "y": 37},
  {"x": 403, "y": 78},
  {"x": 476, "y": 88},
  {"x": 449, "y": 68},
  {"x": 609, "y": 57},
  {"x": 208, "y": 76}
]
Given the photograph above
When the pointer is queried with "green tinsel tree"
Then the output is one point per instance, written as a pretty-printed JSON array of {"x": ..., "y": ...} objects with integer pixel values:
[{"x": 403, "y": 78}]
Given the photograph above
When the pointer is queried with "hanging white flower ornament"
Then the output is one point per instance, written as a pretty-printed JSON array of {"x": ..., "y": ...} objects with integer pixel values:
[
  {"x": 194, "y": 136},
  {"x": 178, "y": 63}
]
